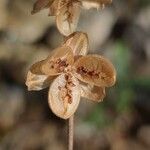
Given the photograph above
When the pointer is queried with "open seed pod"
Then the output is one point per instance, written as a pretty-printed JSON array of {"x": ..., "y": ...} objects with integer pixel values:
[
  {"x": 67, "y": 17},
  {"x": 96, "y": 70},
  {"x": 92, "y": 92},
  {"x": 78, "y": 42},
  {"x": 36, "y": 79},
  {"x": 64, "y": 95},
  {"x": 58, "y": 60}
]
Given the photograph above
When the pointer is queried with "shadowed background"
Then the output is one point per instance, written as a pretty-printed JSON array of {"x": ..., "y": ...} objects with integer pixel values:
[{"x": 120, "y": 32}]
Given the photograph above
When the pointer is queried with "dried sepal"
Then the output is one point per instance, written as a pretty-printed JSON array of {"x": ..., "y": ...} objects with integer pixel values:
[
  {"x": 78, "y": 42},
  {"x": 41, "y": 4},
  {"x": 58, "y": 60},
  {"x": 96, "y": 70},
  {"x": 36, "y": 79},
  {"x": 64, "y": 96},
  {"x": 88, "y": 4},
  {"x": 67, "y": 17},
  {"x": 92, "y": 92}
]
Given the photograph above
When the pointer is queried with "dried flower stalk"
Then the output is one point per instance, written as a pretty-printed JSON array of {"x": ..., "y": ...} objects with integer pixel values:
[
  {"x": 67, "y": 70},
  {"x": 70, "y": 132}
]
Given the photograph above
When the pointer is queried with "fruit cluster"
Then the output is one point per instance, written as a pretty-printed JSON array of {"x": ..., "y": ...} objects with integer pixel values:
[{"x": 75, "y": 73}]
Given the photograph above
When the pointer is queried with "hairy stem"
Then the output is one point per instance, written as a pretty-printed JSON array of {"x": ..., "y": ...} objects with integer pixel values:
[{"x": 71, "y": 132}]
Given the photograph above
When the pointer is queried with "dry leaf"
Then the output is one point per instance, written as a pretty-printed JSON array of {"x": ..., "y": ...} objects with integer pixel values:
[
  {"x": 67, "y": 17},
  {"x": 36, "y": 79},
  {"x": 97, "y": 70},
  {"x": 78, "y": 42},
  {"x": 92, "y": 92},
  {"x": 64, "y": 95}
]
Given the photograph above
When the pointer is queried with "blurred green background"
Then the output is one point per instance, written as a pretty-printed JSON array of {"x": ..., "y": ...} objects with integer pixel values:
[{"x": 120, "y": 32}]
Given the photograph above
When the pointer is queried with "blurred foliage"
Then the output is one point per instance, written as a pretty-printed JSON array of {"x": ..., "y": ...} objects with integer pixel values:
[{"x": 144, "y": 3}]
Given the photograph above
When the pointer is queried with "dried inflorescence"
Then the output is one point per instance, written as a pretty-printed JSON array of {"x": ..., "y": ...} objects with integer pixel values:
[
  {"x": 97, "y": 69},
  {"x": 74, "y": 74},
  {"x": 67, "y": 12}
]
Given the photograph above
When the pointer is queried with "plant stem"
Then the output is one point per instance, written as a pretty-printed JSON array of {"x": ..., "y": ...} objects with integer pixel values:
[{"x": 71, "y": 133}]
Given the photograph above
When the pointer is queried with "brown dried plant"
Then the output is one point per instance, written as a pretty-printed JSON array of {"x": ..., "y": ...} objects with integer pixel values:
[
  {"x": 72, "y": 75},
  {"x": 67, "y": 12},
  {"x": 68, "y": 70}
]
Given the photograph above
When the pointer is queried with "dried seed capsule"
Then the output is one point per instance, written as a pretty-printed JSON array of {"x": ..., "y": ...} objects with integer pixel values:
[
  {"x": 67, "y": 17},
  {"x": 57, "y": 62},
  {"x": 78, "y": 42},
  {"x": 92, "y": 92},
  {"x": 64, "y": 99},
  {"x": 36, "y": 79},
  {"x": 96, "y": 70}
]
